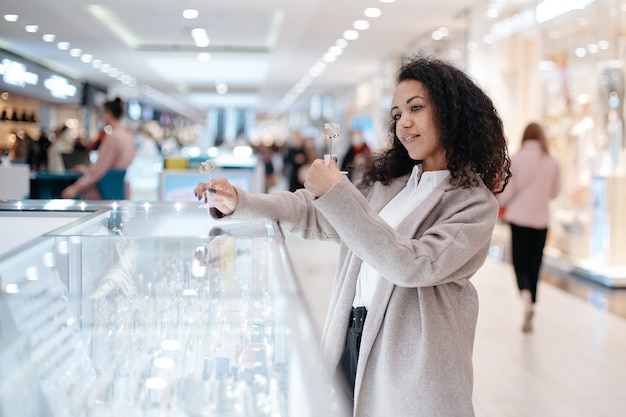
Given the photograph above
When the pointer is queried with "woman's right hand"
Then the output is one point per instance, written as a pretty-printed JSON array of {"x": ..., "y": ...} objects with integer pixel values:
[{"x": 221, "y": 193}]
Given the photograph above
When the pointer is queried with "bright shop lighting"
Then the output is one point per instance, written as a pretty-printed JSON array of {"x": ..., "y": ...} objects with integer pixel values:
[
  {"x": 48, "y": 37},
  {"x": 330, "y": 56},
  {"x": 372, "y": 12},
  {"x": 31, "y": 28},
  {"x": 361, "y": 25},
  {"x": 63, "y": 46},
  {"x": 549, "y": 9},
  {"x": 342, "y": 43},
  {"x": 351, "y": 35},
  {"x": 190, "y": 14},
  {"x": 156, "y": 383},
  {"x": 11, "y": 17}
]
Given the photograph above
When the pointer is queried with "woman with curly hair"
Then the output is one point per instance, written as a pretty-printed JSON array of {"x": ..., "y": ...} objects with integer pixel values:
[{"x": 402, "y": 316}]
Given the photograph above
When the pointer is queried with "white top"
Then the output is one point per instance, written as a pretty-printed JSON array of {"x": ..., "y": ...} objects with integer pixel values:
[{"x": 393, "y": 213}]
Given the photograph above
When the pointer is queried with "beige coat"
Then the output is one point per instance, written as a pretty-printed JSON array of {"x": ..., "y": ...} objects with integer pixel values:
[{"x": 416, "y": 349}]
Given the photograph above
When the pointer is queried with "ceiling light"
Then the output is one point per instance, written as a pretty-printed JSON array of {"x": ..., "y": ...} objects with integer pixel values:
[
  {"x": 48, "y": 37},
  {"x": 31, "y": 28},
  {"x": 372, "y": 12},
  {"x": 202, "y": 42},
  {"x": 221, "y": 87},
  {"x": 190, "y": 13},
  {"x": 105, "y": 68},
  {"x": 351, "y": 35},
  {"x": 387, "y": 1},
  {"x": 335, "y": 50},
  {"x": 198, "y": 33},
  {"x": 86, "y": 58},
  {"x": 96, "y": 63},
  {"x": 11, "y": 17},
  {"x": 342, "y": 43},
  {"x": 75, "y": 52},
  {"x": 361, "y": 25},
  {"x": 328, "y": 57},
  {"x": 64, "y": 46}
]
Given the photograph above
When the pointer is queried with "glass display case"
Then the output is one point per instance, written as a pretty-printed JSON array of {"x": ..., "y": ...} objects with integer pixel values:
[{"x": 157, "y": 310}]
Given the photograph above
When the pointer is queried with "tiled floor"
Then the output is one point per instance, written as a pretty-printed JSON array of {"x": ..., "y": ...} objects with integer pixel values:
[{"x": 572, "y": 365}]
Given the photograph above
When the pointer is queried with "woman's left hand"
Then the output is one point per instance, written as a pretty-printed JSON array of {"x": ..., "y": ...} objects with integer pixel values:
[{"x": 320, "y": 177}]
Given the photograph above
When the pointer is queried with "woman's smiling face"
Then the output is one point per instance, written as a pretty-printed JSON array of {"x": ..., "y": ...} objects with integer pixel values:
[{"x": 415, "y": 125}]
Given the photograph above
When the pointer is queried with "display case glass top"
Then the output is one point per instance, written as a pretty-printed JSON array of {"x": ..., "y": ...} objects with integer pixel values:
[{"x": 158, "y": 310}]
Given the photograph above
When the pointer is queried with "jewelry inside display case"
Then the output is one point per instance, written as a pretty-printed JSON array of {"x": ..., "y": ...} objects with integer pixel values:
[{"x": 157, "y": 310}]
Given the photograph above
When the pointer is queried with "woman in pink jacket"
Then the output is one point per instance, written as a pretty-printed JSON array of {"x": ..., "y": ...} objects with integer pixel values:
[
  {"x": 402, "y": 315},
  {"x": 535, "y": 182}
]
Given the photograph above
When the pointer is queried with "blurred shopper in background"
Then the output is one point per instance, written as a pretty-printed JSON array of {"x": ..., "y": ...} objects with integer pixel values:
[
  {"x": 300, "y": 153},
  {"x": 357, "y": 157},
  {"x": 114, "y": 156},
  {"x": 62, "y": 142},
  {"x": 38, "y": 152},
  {"x": 535, "y": 182},
  {"x": 402, "y": 317}
]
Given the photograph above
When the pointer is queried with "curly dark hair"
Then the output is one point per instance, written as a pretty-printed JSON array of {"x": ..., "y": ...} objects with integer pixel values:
[{"x": 471, "y": 131}]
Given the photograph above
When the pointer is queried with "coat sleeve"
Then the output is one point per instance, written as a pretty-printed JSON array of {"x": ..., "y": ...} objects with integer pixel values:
[
  {"x": 445, "y": 239},
  {"x": 292, "y": 210}
]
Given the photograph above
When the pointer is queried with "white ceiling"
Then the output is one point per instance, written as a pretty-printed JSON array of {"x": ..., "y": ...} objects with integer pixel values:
[{"x": 260, "y": 48}]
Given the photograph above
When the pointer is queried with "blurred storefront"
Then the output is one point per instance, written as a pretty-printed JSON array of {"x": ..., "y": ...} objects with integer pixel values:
[{"x": 550, "y": 61}]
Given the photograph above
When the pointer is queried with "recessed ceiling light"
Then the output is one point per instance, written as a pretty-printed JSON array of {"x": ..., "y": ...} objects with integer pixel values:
[
  {"x": 335, "y": 50},
  {"x": 372, "y": 12},
  {"x": 190, "y": 14},
  {"x": 351, "y": 35},
  {"x": 75, "y": 52},
  {"x": 342, "y": 43},
  {"x": 48, "y": 37},
  {"x": 64, "y": 46},
  {"x": 11, "y": 17},
  {"x": 199, "y": 33},
  {"x": 361, "y": 25},
  {"x": 31, "y": 28},
  {"x": 86, "y": 58},
  {"x": 221, "y": 87},
  {"x": 96, "y": 63},
  {"x": 328, "y": 57}
]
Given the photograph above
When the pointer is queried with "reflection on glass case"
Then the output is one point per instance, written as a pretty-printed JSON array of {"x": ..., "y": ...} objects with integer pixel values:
[{"x": 157, "y": 310}]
